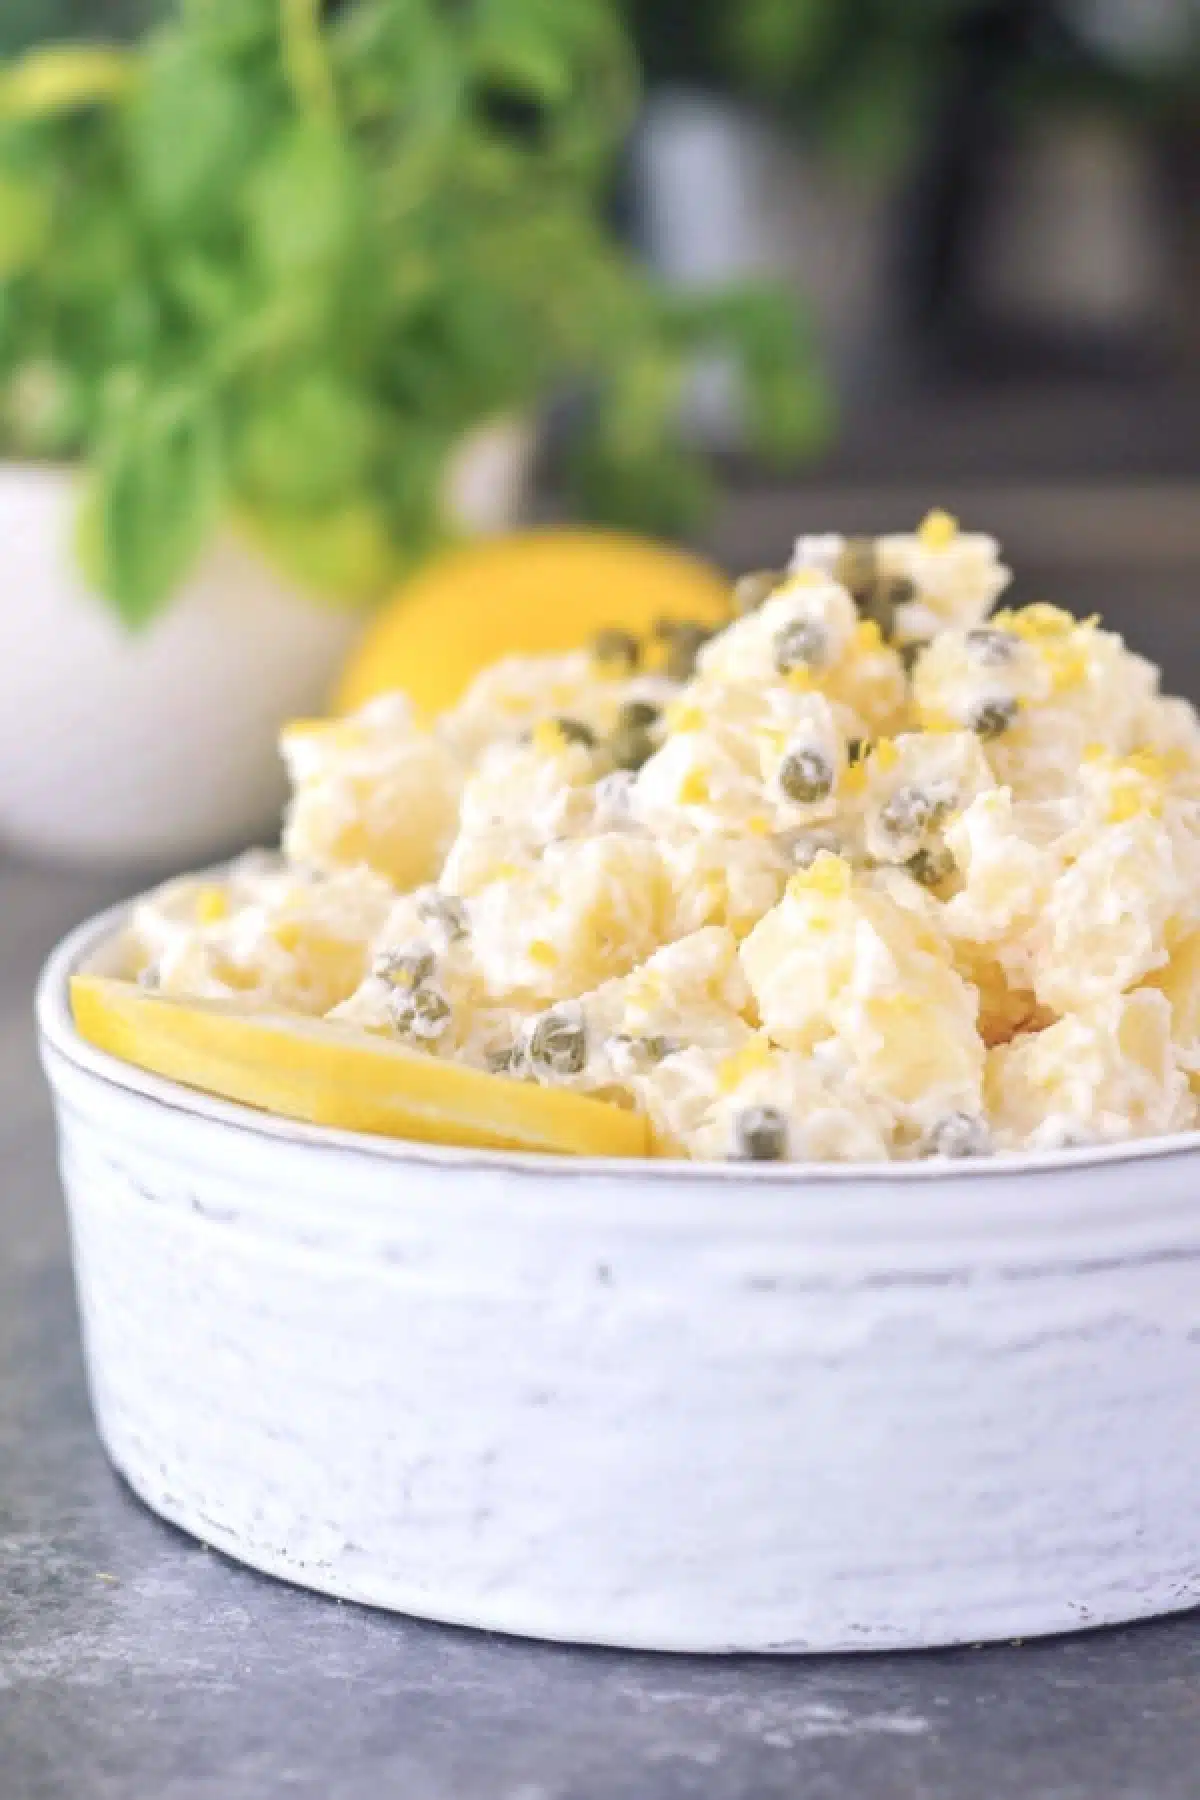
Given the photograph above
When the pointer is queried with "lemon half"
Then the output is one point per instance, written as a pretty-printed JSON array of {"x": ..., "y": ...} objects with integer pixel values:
[{"x": 332, "y": 1074}]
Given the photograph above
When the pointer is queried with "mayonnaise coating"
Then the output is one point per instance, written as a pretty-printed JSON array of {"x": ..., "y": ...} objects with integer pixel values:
[{"x": 872, "y": 871}]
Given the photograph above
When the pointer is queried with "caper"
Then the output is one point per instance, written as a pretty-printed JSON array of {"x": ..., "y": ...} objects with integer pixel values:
[
  {"x": 856, "y": 750},
  {"x": 616, "y": 648},
  {"x": 558, "y": 1043},
  {"x": 987, "y": 645},
  {"x": 422, "y": 1013},
  {"x": 877, "y": 606},
  {"x": 666, "y": 629},
  {"x": 959, "y": 1134},
  {"x": 882, "y": 600},
  {"x": 803, "y": 847},
  {"x": 931, "y": 866},
  {"x": 445, "y": 911},
  {"x": 909, "y": 810},
  {"x": 650, "y": 1049},
  {"x": 630, "y": 746},
  {"x": 637, "y": 714},
  {"x": 993, "y": 718},
  {"x": 800, "y": 645},
  {"x": 760, "y": 1134},
  {"x": 805, "y": 776},
  {"x": 683, "y": 646},
  {"x": 900, "y": 590},
  {"x": 405, "y": 968},
  {"x": 575, "y": 731},
  {"x": 857, "y": 565},
  {"x": 750, "y": 592}
]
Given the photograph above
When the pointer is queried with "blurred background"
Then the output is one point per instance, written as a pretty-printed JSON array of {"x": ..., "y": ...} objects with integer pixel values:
[{"x": 718, "y": 272}]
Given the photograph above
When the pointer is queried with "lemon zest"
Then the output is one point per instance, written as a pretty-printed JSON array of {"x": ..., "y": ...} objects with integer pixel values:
[
  {"x": 693, "y": 789},
  {"x": 549, "y": 737},
  {"x": 685, "y": 716},
  {"x": 1036, "y": 622},
  {"x": 1148, "y": 763},
  {"x": 937, "y": 530},
  {"x": 212, "y": 905},
  {"x": 827, "y": 874},
  {"x": 753, "y": 1056}
]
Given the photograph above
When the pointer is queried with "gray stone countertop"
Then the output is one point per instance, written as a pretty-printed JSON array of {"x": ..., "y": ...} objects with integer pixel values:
[{"x": 136, "y": 1665}]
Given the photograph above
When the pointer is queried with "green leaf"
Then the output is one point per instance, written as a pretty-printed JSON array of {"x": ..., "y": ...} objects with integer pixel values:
[
  {"x": 400, "y": 63},
  {"x": 210, "y": 288},
  {"x": 231, "y": 27},
  {"x": 344, "y": 555},
  {"x": 520, "y": 43},
  {"x": 189, "y": 131},
  {"x": 572, "y": 66},
  {"x": 305, "y": 441},
  {"x": 305, "y": 62},
  {"x": 25, "y": 222},
  {"x": 303, "y": 206},
  {"x": 96, "y": 254},
  {"x": 154, "y": 498}
]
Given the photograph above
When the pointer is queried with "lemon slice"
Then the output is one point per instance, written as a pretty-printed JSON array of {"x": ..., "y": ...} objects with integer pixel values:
[
  {"x": 333, "y": 1074},
  {"x": 526, "y": 594}
]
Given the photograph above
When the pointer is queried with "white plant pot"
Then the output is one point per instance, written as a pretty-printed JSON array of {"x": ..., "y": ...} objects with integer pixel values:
[{"x": 160, "y": 747}]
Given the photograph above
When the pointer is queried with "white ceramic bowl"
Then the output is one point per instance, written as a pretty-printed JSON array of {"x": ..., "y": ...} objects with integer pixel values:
[{"x": 647, "y": 1404}]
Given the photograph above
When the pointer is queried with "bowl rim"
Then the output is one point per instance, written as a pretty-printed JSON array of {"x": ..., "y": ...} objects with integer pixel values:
[{"x": 59, "y": 1036}]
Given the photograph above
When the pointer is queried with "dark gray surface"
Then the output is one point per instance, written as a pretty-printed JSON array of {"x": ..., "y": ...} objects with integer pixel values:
[{"x": 134, "y": 1663}]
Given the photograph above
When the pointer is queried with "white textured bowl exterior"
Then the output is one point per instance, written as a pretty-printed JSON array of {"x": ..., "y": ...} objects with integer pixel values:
[{"x": 651, "y": 1405}]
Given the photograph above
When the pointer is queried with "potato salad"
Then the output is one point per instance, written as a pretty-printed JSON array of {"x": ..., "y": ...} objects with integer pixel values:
[{"x": 879, "y": 869}]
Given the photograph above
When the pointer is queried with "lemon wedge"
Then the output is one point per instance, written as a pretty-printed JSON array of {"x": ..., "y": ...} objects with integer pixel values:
[
  {"x": 332, "y": 1074},
  {"x": 526, "y": 594}
]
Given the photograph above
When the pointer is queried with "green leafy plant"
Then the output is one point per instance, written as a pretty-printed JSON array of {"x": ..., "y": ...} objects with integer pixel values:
[{"x": 275, "y": 262}]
